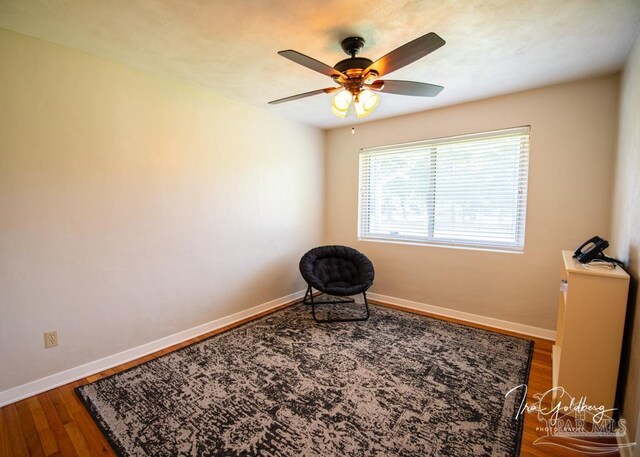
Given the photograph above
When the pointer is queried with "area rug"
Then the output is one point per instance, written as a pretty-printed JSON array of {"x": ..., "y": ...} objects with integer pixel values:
[{"x": 399, "y": 384}]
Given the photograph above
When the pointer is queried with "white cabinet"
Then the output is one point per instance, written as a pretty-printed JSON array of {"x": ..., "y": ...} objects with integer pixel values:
[{"x": 591, "y": 313}]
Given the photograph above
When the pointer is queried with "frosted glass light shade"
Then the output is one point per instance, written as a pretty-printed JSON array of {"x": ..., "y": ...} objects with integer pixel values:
[
  {"x": 341, "y": 102},
  {"x": 366, "y": 103}
]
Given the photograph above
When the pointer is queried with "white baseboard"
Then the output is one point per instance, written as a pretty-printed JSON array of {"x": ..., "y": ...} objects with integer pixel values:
[
  {"x": 467, "y": 317},
  {"x": 64, "y": 377}
]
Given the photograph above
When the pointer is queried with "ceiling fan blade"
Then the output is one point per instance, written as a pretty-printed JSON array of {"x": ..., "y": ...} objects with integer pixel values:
[
  {"x": 311, "y": 63},
  {"x": 406, "y": 88},
  {"x": 406, "y": 54},
  {"x": 328, "y": 90}
]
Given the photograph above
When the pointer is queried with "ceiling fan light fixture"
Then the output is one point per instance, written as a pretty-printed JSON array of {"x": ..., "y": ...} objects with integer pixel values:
[
  {"x": 366, "y": 102},
  {"x": 341, "y": 102}
]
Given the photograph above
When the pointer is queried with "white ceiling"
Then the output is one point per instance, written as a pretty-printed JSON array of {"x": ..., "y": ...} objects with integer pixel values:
[{"x": 230, "y": 47}]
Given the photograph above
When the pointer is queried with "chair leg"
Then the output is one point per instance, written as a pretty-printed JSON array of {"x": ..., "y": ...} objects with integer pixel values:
[
  {"x": 308, "y": 300},
  {"x": 366, "y": 304},
  {"x": 313, "y": 308},
  {"x": 307, "y": 293}
]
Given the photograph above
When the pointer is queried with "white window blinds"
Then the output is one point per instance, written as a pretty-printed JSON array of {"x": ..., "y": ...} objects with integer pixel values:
[{"x": 467, "y": 190}]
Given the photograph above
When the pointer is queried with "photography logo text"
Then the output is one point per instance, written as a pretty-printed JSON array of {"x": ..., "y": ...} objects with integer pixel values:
[{"x": 572, "y": 423}]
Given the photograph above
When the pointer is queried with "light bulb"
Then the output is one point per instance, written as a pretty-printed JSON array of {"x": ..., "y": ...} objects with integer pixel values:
[
  {"x": 341, "y": 102},
  {"x": 366, "y": 103}
]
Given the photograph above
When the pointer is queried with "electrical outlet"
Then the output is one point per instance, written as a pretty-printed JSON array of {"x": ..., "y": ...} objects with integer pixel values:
[{"x": 51, "y": 339}]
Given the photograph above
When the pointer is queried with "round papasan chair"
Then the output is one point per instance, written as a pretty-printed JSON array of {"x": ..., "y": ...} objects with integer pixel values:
[{"x": 339, "y": 271}]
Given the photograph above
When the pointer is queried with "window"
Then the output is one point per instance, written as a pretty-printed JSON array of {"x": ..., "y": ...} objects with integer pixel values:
[{"x": 468, "y": 190}]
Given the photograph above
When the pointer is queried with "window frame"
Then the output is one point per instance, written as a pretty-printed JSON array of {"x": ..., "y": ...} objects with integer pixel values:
[{"x": 522, "y": 186}]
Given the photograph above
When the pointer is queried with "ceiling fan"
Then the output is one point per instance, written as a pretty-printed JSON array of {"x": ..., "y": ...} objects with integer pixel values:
[{"x": 358, "y": 76}]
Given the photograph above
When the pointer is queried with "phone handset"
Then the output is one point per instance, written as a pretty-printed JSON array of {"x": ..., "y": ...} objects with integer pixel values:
[{"x": 591, "y": 249}]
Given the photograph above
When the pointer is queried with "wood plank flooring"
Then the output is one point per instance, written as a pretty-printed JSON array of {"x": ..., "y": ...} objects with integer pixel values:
[{"x": 55, "y": 423}]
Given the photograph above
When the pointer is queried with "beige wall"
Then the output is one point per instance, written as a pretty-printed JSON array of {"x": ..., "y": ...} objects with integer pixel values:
[
  {"x": 573, "y": 133},
  {"x": 133, "y": 207},
  {"x": 626, "y": 232}
]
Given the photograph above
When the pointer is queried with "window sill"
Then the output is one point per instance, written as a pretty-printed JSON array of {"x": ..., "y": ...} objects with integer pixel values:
[{"x": 445, "y": 245}]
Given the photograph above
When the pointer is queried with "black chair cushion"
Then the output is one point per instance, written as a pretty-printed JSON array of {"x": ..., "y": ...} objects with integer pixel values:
[{"x": 337, "y": 270}]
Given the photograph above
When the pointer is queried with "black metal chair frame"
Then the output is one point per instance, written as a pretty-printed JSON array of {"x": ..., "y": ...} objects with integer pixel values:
[{"x": 308, "y": 300}]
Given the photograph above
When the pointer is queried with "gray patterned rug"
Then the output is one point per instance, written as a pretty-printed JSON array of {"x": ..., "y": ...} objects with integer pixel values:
[{"x": 397, "y": 384}]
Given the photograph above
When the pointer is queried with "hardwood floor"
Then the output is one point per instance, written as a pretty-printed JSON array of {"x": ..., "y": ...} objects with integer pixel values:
[{"x": 55, "y": 423}]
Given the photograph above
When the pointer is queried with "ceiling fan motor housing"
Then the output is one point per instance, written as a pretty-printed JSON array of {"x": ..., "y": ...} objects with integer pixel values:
[
  {"x": 353, "y": 66},
  {"x": 352, "y": 63}
]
